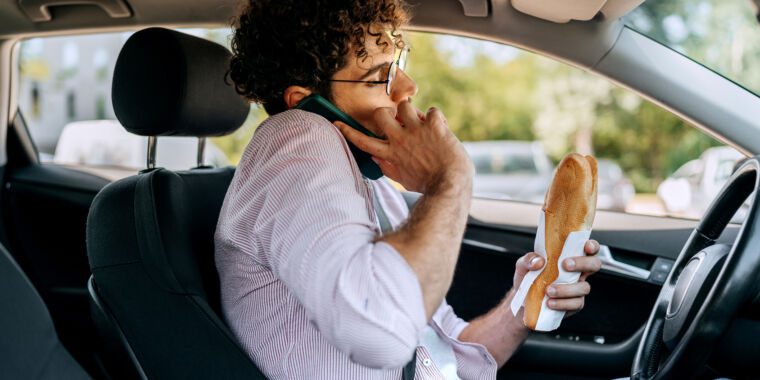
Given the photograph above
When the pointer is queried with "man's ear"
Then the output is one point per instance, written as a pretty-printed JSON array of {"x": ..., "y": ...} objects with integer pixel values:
[{"x": 294, "y": 94}]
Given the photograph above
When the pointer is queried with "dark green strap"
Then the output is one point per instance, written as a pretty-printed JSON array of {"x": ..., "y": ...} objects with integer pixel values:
[{"x": 409, "y": 368}]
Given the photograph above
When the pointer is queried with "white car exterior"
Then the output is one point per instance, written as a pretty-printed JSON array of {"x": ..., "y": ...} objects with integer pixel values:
[{"x": 689, "y": 191}]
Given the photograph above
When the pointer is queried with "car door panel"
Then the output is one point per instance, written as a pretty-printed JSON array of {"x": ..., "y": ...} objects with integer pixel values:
[
  {"x": 45, "y": 214},
  {"x": 599, "y": 341}
]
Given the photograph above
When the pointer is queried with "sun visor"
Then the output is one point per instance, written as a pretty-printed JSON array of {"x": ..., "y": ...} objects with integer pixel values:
[{"x": 562, "y": 11}]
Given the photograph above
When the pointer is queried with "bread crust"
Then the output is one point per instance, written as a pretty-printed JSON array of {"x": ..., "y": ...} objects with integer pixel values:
[{"x": 569, "y": 205}]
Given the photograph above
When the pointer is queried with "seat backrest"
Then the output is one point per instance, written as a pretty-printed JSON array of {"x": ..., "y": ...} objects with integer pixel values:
[
  {"x": 29, "y": 345},
  {"x": 150, "y": 237}
]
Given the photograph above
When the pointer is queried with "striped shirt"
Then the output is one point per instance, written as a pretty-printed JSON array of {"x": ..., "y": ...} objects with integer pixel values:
[{"x": 306, "y": 288}]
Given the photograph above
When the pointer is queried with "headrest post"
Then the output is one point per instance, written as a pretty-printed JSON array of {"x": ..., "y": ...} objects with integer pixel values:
[
  {"x": 152, "y": 140},
  {"x": 201, "y": 150}
]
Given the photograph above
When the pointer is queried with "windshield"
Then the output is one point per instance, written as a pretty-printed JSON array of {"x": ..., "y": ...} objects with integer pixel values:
[{"x": 721, "y": 35}]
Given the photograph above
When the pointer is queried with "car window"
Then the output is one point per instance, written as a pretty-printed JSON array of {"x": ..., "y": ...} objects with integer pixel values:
[
  {"x": 721, "y": 35},
  {"x": 517, "y": 112},
  {"x": 65, "y": 98},
  {"x": 503, "y": 102}
]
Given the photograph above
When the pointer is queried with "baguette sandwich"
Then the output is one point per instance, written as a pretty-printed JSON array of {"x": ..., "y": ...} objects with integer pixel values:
[{"x": 569, "y": 205}]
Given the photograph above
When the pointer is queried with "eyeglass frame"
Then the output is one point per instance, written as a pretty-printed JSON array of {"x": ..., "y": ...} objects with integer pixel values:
[{"x": 395, "y": 65}]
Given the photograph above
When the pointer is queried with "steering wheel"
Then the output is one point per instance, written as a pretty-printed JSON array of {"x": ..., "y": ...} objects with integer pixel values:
[{"x": 709, "y": 284}]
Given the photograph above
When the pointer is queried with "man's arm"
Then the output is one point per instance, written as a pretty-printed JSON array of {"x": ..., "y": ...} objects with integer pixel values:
[
  {"x": 498, "y": 330},
  {"x": 301, "y": 209},
  {"x": 502, "y": 333},
  {"x": 431, "y": 239},
  {"x": 423, "y": 155}
]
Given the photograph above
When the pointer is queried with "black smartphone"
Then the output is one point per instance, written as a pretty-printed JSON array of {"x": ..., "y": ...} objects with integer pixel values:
[{"x": 321, "y": 106}]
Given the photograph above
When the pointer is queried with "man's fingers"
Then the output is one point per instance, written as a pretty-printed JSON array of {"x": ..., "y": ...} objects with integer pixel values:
[
  {"x": 591, "y": 247},
  {"x": 385, "y": 118},
  {"x": 433, "y": 113},
  {"x": 579, "y": 289},
  {"x": 421, "y": 115},
  {"x": 529, "y": 262},
  {"x": 566, "y": 304},
  {"x": 435, "y": 119},
  {"x": 390, "y": 170},
  {"x": 375, "y": 147},
  {"x": 407, "y": 114},
  {"x": 582, "y": 264}
]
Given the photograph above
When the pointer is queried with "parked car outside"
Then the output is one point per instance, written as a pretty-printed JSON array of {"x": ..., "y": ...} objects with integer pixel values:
[
  {"x": 522, "y": 171},
  {"x": 516, "y": 170},
  {"x": 615, "y": 190},
  {"x": 107, "y": 149},
  {"x": 690, "y": 189}
]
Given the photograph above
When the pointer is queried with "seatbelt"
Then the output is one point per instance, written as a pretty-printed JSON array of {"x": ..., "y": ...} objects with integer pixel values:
[
  {"x": 382, "y": 218},
  {"x": 410, "y": 368}
]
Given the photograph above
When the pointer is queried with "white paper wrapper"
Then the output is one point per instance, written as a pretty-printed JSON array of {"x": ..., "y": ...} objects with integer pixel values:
[{"x": 549, "y": 319}]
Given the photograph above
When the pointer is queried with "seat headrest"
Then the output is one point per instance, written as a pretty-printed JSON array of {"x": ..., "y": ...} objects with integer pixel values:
[{"x": 168, "y": 83}]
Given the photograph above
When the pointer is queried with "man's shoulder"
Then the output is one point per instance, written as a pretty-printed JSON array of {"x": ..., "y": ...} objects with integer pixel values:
[
  {"x": 292, "y": 133},
  {"x": 296, "y": 122}
]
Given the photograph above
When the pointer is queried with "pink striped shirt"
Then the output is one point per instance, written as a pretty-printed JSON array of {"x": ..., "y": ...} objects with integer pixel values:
[{"x": 306, "y": 289}]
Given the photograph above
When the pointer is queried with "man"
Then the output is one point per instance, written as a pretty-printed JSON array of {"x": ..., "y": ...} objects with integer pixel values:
[{"x": 311, "y": 285}]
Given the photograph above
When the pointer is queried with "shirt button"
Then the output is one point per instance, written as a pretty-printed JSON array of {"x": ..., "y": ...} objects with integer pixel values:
[{"x": 427, "y": 362}]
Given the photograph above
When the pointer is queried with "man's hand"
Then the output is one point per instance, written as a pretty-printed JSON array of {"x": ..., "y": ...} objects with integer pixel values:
[
  {"x": 420, "y": 151},
  {"x": 502, "y": 332},
  {"x": 564, "y": 297},
  {"x": 422, "y": 154}
]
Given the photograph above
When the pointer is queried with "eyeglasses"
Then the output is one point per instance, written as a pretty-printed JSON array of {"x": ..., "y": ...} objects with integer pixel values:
[{"x": 398, "y": 63}]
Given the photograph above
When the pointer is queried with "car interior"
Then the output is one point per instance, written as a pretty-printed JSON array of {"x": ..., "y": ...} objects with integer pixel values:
[{"x": 115, "y": 279}]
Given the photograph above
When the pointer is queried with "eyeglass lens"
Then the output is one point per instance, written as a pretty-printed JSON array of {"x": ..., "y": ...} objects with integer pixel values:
[{"x": 400, "y": 63}]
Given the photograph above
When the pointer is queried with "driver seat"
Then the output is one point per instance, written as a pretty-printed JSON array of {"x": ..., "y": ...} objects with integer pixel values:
[{"x": 154, "y": 287}]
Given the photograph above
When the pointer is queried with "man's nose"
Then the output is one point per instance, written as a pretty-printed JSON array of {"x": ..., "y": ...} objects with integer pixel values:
[{"x": 403, "y": 87}]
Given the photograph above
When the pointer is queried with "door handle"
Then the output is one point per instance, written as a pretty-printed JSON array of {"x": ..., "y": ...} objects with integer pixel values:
[
  {"x": 486, "y": 246},
  {"x": 609, "y": 264}
]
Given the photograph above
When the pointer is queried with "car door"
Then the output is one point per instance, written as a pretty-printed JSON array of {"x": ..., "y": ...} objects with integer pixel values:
[
  {"x": 495, "y": 93},
  {"x": 598, "y": 342},
  {"x": 45, "y": 213}
]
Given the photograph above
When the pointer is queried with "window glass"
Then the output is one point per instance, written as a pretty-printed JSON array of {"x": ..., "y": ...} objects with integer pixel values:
[
  {"x": 721, "y": 35},
  {"x": 65, "y": 98},
  {"x": 519, "y": 113}
]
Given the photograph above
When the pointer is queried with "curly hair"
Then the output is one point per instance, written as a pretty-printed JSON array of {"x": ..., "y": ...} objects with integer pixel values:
[{"x": 279, "y": 43}]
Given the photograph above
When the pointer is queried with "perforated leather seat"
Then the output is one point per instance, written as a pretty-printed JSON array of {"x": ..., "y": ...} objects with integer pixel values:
[{"x": 154, "y": 286}]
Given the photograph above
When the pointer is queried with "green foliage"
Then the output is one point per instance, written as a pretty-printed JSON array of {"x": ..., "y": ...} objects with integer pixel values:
[
  {"x": 529, "y": 97},
  {"x": 485, "y": 103},
  {"x": 647, "y": 142},
  {"x": 233, "y": 145},
  {"x": 722, "y": 35}
]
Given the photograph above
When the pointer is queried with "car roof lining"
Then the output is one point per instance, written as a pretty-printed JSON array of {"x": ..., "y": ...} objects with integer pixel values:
[{"x": 503, "y": 25}]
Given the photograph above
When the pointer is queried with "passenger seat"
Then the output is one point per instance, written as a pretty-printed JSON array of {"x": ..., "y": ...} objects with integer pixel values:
[{"x": 154, "y": 285}]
